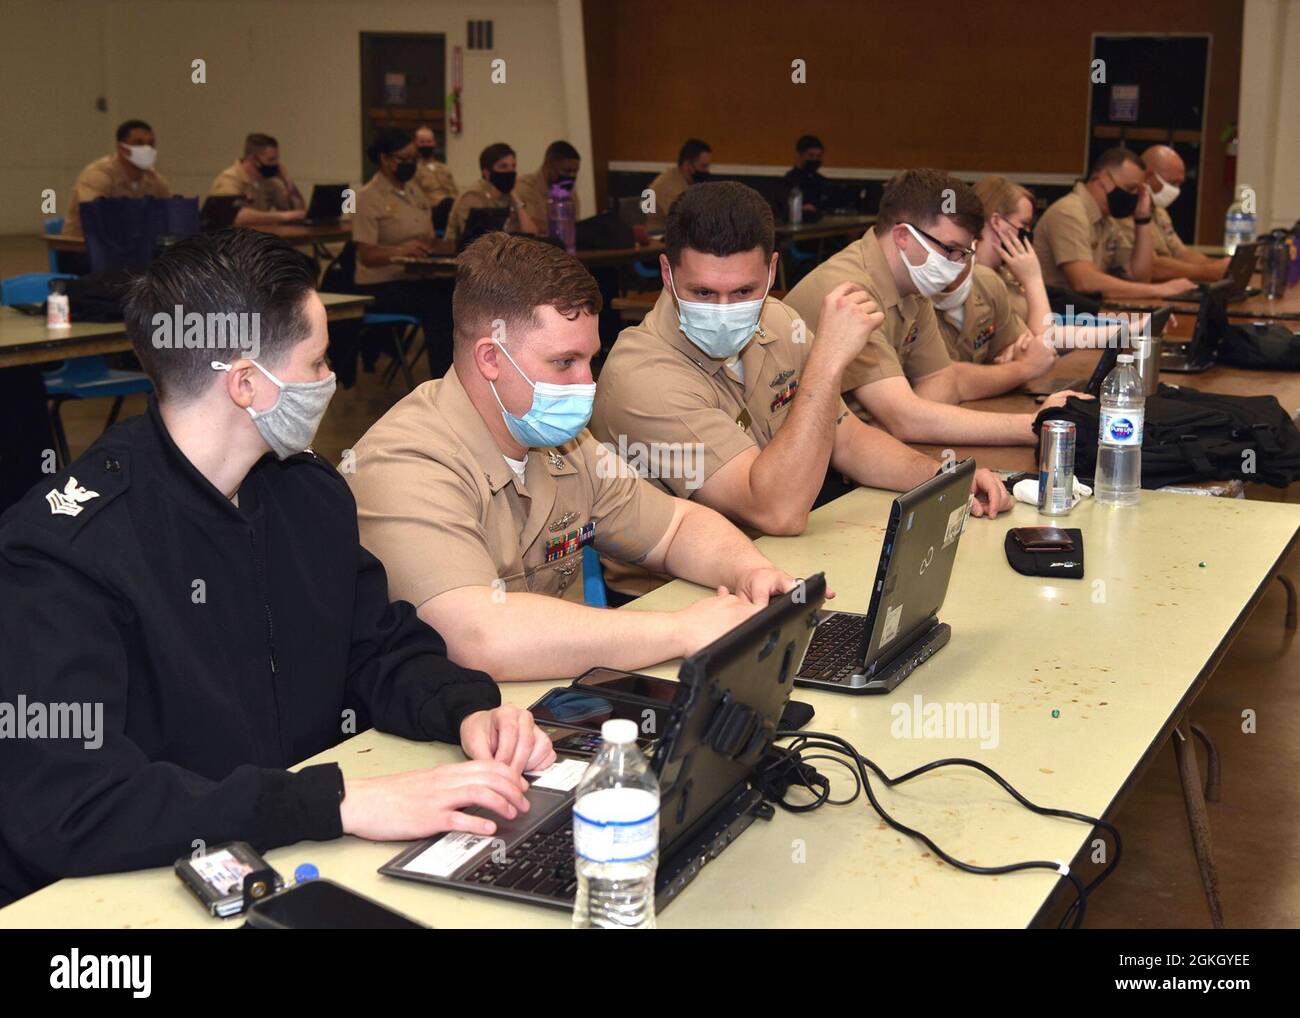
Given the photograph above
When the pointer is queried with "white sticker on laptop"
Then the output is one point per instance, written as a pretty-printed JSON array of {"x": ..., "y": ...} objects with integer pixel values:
[
  {"x": 449, "y": 853},
  {"x": 561, "y": 776},
  {"x": 956, "y": 521},
  {"x": 893, "y": 616}
]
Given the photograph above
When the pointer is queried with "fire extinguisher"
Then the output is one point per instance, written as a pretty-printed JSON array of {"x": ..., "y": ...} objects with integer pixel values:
[
  {"x": 454, "y": 123},
  {"x": 1229, "y": 136}
]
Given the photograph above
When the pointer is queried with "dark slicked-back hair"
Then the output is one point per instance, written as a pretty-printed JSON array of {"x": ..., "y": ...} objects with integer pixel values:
[
  {"x": 1113, "y": 158},
  {"x": 722, "y": 219},
  {"x": 127, "y": 126},
  {"x": 808, "y": 141},
  {"x": 920, "y": 197},
  {"x": 558, "y": 150},
  {"x": 504, "y": 277},
  {"x": 494, "y": 152},
  {"x": 691, "y": 150},
  {"x": 240, "y": 272}
]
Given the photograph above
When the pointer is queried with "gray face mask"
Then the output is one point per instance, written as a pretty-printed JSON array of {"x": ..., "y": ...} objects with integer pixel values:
[{"x": 290, "y": 424}]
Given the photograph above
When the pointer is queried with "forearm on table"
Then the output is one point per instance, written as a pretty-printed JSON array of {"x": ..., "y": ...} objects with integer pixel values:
[
  {"x": 708, "y": 550},
  {"x": 979, "y": 381}
]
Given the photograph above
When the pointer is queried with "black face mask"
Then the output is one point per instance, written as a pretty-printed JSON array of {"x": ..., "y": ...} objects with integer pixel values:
[
  {"x": 268, "y": 171},
  {"x": 503, "y": 182},
  {"x": 812, "y": 165},
  {"x": 1120, "y": 203},
  {"x": 566, "y": 182},
  {"x": 404, "y": 170},
  {"x": 426, "y": 151},
  {"x": 700, "y": 176}
]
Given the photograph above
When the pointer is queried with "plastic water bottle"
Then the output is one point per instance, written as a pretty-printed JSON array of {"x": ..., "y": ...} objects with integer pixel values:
[
  {"x": 1238, "y": 225},
  {"x": 1119, "y": 439},
  {"x": 796, "y": 205},
  {"x": 559, "y": 214},
  {"x": 616, "y": 835}
]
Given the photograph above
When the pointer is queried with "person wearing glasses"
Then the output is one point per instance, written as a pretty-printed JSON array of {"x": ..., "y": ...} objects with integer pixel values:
[{"x": 905, "y": 379}]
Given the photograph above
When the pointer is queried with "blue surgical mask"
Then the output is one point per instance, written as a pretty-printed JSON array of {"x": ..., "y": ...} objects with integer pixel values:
[
  {"x": 558, "y": 412},
  {"x": 720, "y": 330}
]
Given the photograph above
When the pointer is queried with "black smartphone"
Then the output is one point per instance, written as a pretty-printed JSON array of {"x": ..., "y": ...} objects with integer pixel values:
[
  {"x": 1011, "y": 480},
  {"x": 586, "y": 710},
  {"x": 325, "y": 905},
  {"x": 643, "y": 687}
]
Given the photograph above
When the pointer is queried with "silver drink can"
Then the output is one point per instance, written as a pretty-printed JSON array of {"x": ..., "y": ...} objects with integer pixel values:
[{"x": 1056, "y": 468}]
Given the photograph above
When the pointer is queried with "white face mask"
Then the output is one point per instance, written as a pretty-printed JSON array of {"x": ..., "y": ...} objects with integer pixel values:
[
  {"x": 955, "y": 299},
  {"x": 1167, "y": 195},
  {"x": 143, "y": 156},
  {"x": 936, "y": 273}
]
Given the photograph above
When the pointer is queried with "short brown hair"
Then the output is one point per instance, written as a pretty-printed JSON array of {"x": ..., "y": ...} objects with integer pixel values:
[
  {"x": 255, "y": 142},
  {"x": 920, "y": 197},
  {"x": 1113, "y": 158},
  {"x": 1001, "y": 196},
  {"x": 720, "y": 219},
  {"x": 508, "y": 278}
]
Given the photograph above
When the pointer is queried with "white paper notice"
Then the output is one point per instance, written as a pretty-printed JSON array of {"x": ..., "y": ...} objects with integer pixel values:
[
  {"x": 561, "y": 776},
  {"x": 956, "y": 520},
  {"x": 893, "y": 616},
  {"x": 449, "y": 853}
]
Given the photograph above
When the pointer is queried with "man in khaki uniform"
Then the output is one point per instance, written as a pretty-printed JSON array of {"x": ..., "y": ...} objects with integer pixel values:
[
  {"x": 560, "y": 166},
  {"x": 269, "y": 193},
  {"x": 693, "y": 162},
  {"x": 749, "y": 428},
  {"x": 127, "y": 173},
  {"x": 497, "y": 166},
  {"x": 479, "y": 492},
  {"x": 992, "y": 349},
  {"x": 432, "y": 176},
  {"x": 1079, "y": 245},
  {"x": 1165, "y": 173},
  {"x": 904, "y": 378}
]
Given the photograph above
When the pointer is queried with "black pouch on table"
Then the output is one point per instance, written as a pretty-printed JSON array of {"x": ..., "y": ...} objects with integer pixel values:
[
  {"x": 1264, "y": 346},
  {"x": 1067, "y": 565}
]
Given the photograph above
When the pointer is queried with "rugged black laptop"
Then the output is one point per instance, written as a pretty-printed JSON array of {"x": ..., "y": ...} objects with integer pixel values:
[
  {"x": 1092, "y": 385},
  {"x": 219, "y": 211},
  {"x": 723, "y": 720},
  {"x": 479, "y": 222},
  {"x": 326, "y": 206},
  {"x": 873, "y": 653},
  {"x": 1240, "y": 269},
  {"x": 1211, "y": 323}
]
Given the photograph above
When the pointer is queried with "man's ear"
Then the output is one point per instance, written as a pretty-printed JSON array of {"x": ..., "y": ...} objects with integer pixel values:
[
  {"x": 664, "y": 271},
  {"x": 486, "y": 358},
  {"x": 772, "y": 268},
  {"x": 239, "y": 383}
]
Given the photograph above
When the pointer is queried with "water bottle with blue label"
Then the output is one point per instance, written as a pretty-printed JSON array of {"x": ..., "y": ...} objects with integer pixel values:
[
  {"x": 1119, "y": 439},
  {"x": 1239, "y": 224},
  {"x": 616, "y": 835}
]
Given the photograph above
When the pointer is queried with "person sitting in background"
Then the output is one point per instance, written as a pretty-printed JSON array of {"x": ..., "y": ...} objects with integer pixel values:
[
  {"x": 195, "y": 584},
  {"x": 693, "y": 162},
  {"x": 1172, "y": 259},
  {"x": 480, "y": 490},
  {"x": 559, "y": 166},
  {"x": 808, "y": 152},
  {"x": 393, "y": 223},
  {"x": 496, "y": 190},
  {"x": 127, "y": 173},
  {"x": 269, "y": 193},
  {"x": 904, "y": 378},
  {"x": 1078, "y": 241},
  {"x": 433, "y": 177}
]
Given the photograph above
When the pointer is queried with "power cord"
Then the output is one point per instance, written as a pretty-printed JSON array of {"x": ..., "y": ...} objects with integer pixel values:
[{"x": 788, "y": 766}]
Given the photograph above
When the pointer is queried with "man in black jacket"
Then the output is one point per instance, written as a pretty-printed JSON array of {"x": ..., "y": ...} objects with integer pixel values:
[{"x": 185, "y": 615}]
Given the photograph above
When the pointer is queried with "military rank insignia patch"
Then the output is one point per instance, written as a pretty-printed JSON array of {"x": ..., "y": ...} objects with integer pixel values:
[{"x": 559, "y": 547}]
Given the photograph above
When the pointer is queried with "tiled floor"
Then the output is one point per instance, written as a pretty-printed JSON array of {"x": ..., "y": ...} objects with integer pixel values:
[{"x": 1256, "y": 825}]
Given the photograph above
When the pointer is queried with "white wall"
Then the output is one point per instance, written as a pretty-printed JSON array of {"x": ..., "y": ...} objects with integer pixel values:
[
  {"x": 290, "y": 68},
  {"x": 1268, "y": 157}
]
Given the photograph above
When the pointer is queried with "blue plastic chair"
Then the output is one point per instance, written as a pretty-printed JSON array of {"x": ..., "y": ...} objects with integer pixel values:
[
  {"x": 403, "y": 329},
  {"x": 54, "y": 226},
  {"x": 79, "y": 377},
  {"x": 593, "y": 579}
]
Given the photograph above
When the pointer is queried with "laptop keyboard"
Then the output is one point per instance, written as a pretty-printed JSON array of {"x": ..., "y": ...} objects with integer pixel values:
[
  {"x": 836, "y": 649},
  {"x": 542, "y": 863}
]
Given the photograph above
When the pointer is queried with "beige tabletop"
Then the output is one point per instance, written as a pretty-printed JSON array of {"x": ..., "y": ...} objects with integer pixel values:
[
  {"x": 1117, "y": 654},
  {"x": 297, "y": 234},
  {"x": 24, "y": 339}
]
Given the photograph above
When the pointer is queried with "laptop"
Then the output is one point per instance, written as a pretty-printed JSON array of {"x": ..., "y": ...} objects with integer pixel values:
[
  {"x": 1211, "y": 323},
  {"x": 326, "y": 205},
  {"x": 479, "y": 222},
  {"x": 219, "y": 211},
  {"x": 723, "y": 720},
  {"x": 1092, "y": 384},
  {"x": 1240, "y": 270},
  {"x": 873, "y": 653}
]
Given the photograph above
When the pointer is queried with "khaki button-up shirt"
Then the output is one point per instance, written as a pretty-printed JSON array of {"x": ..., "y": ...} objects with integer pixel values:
[
  {"x": 533, "y": 192},
  {"x": 105, "y": 178},
  {"x": 388, "y": 216},
  {"x": 440, "y": 507},
  {"x": 1074, "y": 229},
  {"x": 482, "y": 195},
  {"x": 667, "y": 188},
  {"x": 1164, "y": 240},
  {"x": 435, "y": 180},
  {"x": 265, "y": 194},
  {"x": 988, "y": 323}
]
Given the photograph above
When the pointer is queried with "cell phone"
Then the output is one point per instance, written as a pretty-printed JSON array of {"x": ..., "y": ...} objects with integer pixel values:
[
  {"x": 586, "y": 710},
  {"x": 1011, "y": 480},
  {"x": 1043, "y": 539},
  {"x": 325, "y": 905},
  {"x": 643, "y": 687}
]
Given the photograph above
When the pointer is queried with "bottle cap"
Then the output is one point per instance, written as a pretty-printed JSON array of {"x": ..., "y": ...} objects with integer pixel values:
[
  {"x": 304, "y": 872},
  {"x": 1125, "y": 358},
  {"x": 620, "y": 730}
]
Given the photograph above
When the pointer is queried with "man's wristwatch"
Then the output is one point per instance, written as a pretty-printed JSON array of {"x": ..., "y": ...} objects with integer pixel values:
[{"x": 1141, "y": 222}]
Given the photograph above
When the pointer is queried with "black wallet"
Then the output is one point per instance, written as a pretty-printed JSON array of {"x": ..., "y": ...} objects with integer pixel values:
[{"x": 1066, "y": 565}]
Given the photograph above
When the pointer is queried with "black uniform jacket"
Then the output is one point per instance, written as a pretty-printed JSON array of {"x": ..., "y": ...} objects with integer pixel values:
[{"x": 221, "y": 644}]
